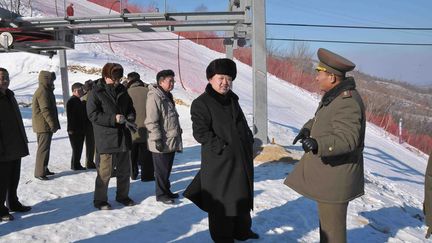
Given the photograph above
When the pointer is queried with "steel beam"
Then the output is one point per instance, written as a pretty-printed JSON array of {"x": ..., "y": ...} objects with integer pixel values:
[
  {"x": 259, "y": 67},
  {"x": 64, "y": 76}
]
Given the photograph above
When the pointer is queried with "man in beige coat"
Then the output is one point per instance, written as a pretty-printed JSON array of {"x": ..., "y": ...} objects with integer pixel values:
[
  {"x": 44, "y": 121},
  {"x": 331, "y": 170},
  {"x": 140, "y": 154},
  {"x": 164, "y": 133}
]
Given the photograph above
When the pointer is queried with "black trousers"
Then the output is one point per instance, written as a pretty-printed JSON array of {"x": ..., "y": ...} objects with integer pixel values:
[
  {"x": 224, "y": 229},
  {"x": 77, "y": 143},
  {"x": 140, "y": 155},
  {"x": 90, "y": 146},
  {"x": 9, "y": 180},
  {"x": 163, "y": 163}
]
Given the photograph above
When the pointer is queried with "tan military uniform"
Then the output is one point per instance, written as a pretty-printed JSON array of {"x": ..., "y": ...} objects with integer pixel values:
[{"x": 333, "y": 175}]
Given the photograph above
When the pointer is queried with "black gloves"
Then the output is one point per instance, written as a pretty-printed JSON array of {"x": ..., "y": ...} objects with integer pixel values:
[
  {"x": 304, "y": 133},
  {"x": 131, "y": 126},
  {"x": 159, "y": 145},
  {"x": 310, "y": 144}
]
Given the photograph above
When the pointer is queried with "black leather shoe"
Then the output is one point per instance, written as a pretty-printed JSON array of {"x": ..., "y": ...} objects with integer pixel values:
[
  {"x": 173, "y": 195},
  {"x": 247, "y": 236},
  {"x": 167, "y": 201},
  {"x": 90, "y": 165},
  {"x": 42, "y": 178},
  {"x": 127, "y": 202},
  {"x": 78, "y": 168},
  {"x": 48, "y": 172},
  {"x": 19, "y": 208},
  {"x": 102, "y": 205},
  {"x": 6, "y": 217}
]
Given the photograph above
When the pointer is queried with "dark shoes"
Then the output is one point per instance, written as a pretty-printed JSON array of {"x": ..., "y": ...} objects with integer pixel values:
[
  {"x": 126, "y": 202},
  {"x": 91, "y": 165},
  {"x": 147, "y": 179},
  {"x": 102, "y": 205},
  {"x": 19, "y": 208},
  {"x": 78, "y": 168},
  {"x": 6, "y": 217},
  {"x": 48, "y": 172},
  {"x": 42, "y": 178},
  {"x": 247, "y": 236},
  {"x": 165, "y": 199},
  {"x": 173, "y": 195}
]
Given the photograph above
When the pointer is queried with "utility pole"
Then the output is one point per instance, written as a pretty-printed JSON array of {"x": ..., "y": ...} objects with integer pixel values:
[
  {"x": 64, "y": 76},
  {"x": 259, "y": 67}
]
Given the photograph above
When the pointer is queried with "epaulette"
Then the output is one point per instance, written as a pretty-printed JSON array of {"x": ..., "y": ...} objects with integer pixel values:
[{"x": 346, "y": 94}]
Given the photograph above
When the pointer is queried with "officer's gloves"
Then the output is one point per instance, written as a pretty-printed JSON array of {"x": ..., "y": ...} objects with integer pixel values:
[
  {"x": 310, "y": 144},
  {"x": 304, "y": 133},
  {"x": 159, "y": 145}
]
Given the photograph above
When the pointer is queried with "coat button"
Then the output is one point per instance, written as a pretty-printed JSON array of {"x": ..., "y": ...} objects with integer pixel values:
[{"x": 330, "y": 149}]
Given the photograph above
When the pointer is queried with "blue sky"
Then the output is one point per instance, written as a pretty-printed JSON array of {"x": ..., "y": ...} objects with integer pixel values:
[{"x": 406, "y": 63}]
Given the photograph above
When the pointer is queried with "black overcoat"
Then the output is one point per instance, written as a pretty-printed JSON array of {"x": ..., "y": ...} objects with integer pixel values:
[
  {"x": 102, "y": 107},
  {"x": 76, "y": 117},
  {"x": 13, "y": 138},
  {"x": 224, "y": 184}
]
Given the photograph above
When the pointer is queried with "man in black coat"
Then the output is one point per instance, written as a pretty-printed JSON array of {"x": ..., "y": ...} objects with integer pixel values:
[
  {"x": 76, "y": 124},
  {"x": 110, "y": 109},
  {"x": 224, "y": 186},
  {"x": 89, "y": 136},
  {"x": 13, "y": 146}
]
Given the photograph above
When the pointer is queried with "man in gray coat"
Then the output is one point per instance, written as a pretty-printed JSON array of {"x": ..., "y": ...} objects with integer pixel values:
[
  {"x": 164, "y": 133},
  {"x": 331, "y": 170},
  {"x": 44, "y": 122},
  {"x": 13, "y": 146},
  {"x": 140, "y": 154}
]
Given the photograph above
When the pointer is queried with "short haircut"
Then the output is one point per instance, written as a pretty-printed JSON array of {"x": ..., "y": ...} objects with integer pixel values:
[
  {"x": 133, "y": 76},
  {"x": 88, "y": 85},
  {"x": 163, "y": 74},
  {"x": 113, "y": 71},
  {"x": 3, "y": 70},
  {"x": 77, "y": 86}
]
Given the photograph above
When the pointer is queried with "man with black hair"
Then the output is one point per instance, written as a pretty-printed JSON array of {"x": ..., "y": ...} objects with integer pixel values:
[
  {"x": 76, "y": 124},
  {"x": 140, "y": 154},
  {"x": 110, "y": 109},
  {"x": 13, "y": 146},
  {"x": 164, "y": 133}
]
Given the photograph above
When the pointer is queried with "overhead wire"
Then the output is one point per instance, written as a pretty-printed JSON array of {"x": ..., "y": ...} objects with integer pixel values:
[{"x": 269, "y": 39}]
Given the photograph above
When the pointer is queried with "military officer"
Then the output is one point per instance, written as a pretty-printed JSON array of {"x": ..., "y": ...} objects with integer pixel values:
[{"x": 331, "y": 170}]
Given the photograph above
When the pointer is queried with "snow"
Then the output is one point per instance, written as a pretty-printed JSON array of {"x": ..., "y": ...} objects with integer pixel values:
[{"x": 390, "y": 210}]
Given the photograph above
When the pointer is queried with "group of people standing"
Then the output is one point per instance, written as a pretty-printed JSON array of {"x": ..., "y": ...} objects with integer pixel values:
[{"x": 137, "y": 122}]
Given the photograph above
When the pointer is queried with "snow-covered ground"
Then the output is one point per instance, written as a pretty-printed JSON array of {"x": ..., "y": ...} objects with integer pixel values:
[{"x": 390, "y": 211}]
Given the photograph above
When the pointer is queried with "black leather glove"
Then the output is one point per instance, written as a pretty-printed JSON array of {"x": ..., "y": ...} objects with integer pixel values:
[
  {"x": 159, "y": 145},
  {"x": 310, "y": 144},
  {"x": 131, "y": 126},
  {"x": 304, "y": 133}
]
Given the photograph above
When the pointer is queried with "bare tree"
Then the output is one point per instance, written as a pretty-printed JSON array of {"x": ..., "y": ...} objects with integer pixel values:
[{"x": 19, "y": 7}]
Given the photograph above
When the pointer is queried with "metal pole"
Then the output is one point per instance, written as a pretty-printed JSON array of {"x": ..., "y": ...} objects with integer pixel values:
[
  {"x": 64, "y": 76},
  {"x": 259, "y": 66},
  {"x": 400, "y": 131}
]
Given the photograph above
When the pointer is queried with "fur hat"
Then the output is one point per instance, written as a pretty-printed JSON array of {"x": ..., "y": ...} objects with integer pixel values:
[
  {"x": 224, "y": 66},
  {"x": 113, "y": 71}
]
